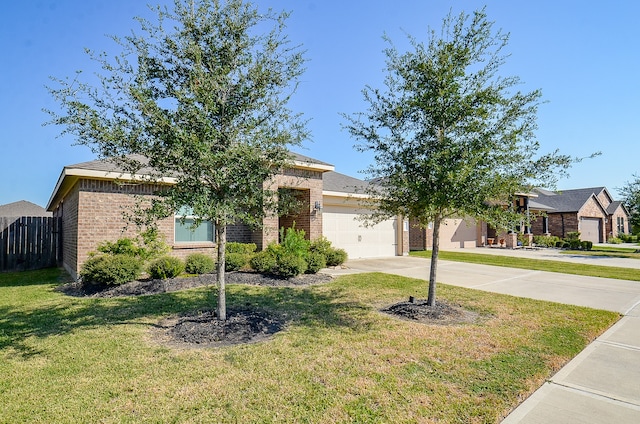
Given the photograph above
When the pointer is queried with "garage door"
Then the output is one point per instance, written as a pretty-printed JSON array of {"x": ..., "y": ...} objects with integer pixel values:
[
  {"x": 590, "y": 229},
  {"x": 458, "y": 233},
  {"x": 341, "y": 227}
]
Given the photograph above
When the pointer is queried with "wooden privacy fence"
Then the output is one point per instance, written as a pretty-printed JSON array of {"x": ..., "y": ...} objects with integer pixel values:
[{"x": 29, "y": 242}]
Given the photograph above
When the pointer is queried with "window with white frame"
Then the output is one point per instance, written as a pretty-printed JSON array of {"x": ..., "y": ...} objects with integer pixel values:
[{"x": 185, "y": 232}]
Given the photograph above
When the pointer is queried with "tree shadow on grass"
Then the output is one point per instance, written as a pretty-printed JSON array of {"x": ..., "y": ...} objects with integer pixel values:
[{"x": 294, "y": 306}]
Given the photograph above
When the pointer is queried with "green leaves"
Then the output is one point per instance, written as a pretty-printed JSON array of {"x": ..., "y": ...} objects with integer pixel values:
[{"x": 200, "y": 96}]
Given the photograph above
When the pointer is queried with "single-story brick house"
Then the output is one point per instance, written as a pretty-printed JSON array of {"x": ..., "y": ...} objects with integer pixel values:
[
  {"x": 590, "y": 211},
  {"x": 93, "y": 197}
]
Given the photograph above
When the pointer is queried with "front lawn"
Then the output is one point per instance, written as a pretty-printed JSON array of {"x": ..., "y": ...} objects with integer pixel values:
[
  {"x": 632, "y": 274},
  {"x": 68, "y": 360},
  {"x": 608, "y": 251}
]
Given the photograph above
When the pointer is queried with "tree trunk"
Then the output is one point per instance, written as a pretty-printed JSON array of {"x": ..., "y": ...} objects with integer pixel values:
[
  {"x": 431, "y": 299},
  {"x": 221, "y": 235}
]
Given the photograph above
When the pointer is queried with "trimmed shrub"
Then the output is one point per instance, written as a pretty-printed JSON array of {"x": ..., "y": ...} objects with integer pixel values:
[
  {"x": 290, "y": 265},
  {"x": 124, "y": 246},
  {"x": 315, "y": 262},
  {"x": 148, "y": 246},
  {"x": 165, "y": 267},
  {"x": 586, "y": 245},
  {"x": 546, "y": 241},
  {"x": 336, "y": 257},
  {"x": 321, "y": 245},
  {"x": 614, "y": 240},
  {"x": 235, "y": 261},
  {"x": 573, "y": 235},
  {"x": 264, "y": 262},
  {"x": 111, "y": 269},
  {"x": 292, "y": 241},
  {"x": 574, "y": 244},
  {"x": 243, "y": 248},
  {"x": 199, "y": 263}
]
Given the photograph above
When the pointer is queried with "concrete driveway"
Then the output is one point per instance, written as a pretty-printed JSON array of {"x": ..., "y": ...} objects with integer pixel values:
[
  {"x": 602, "y": 383},
  {"x": 600, "y": 293}
]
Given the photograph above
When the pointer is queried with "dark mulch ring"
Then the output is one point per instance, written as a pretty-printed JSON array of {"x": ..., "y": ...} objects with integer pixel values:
[
  {"x": 146, "y": 287},
  {"x": 441, "y": 313},
  {"x": 204, "y": 329}
]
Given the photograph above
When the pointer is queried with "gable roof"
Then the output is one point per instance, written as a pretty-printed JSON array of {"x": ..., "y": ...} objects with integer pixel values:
[
  {"x": 105, "y": 170},
  {"x": 569, "y": 200},
  {"x": 611, "y": 209},
  {"x": 22, "y": 208}
]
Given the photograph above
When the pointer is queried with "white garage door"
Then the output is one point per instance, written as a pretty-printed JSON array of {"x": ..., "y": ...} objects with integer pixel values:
[
  {"x": 458, "y": 233},
  {"x": 590, "y": 229},
  {"x": 341, "y": 227}
]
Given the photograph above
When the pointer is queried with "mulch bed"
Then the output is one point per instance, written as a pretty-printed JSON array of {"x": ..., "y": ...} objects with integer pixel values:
[
  {"x": 441, "y": 313},
  {"x": 147, "y": 287},
  {"x": 243, "y": 325}
]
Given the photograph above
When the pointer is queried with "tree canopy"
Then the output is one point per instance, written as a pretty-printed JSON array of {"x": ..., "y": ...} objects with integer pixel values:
[
  {"x": 201, "y": 95},
  {"x": 631, "y": 196},
  {"x": 451, "y": 137}
]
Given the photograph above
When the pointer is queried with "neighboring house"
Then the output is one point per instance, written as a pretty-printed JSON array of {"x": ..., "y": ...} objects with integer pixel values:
[
  {"x": 93, "y": 198},
  {"x": 12, "y": 211},
  {"x": 590, "y": 211}
]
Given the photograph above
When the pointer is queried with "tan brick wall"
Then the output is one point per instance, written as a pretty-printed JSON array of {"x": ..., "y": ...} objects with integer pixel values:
[
  {"x": 604, "y": 199},
  {"x": 308, "y": 219},
  {"x": 68, "y": 211},
  {"x": 94, "y": 211},
  {"x": 102, "y": 209},
  {"x": 405, "y": 237},
  {"x": 612, "y": 223}
]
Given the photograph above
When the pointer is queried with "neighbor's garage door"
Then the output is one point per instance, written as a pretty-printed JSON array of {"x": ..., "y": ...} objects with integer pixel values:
[
  {"x": 590, "y": 229},
  {"x": 340, "y": 226},
  {"x": 458, "y": 233}
]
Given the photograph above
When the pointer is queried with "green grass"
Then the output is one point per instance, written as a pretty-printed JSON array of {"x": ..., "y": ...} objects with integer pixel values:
[
  {"x": 75, "y": 360},
  {"x": 608, "y": 251},
  {"x": 620, "y": 273}
]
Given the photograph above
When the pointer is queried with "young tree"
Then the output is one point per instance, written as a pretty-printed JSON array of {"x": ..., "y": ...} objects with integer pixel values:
[
  {"x": 201, "y": 96},
  {"x": 631, "y": 195},
  {"x": 450, "y": 136}
]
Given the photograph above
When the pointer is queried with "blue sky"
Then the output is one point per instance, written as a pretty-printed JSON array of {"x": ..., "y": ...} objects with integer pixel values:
[{"x": 583, "y": 55}]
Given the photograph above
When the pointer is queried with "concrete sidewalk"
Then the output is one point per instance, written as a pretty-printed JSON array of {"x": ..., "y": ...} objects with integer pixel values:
[{"x": 602, "y": 383}]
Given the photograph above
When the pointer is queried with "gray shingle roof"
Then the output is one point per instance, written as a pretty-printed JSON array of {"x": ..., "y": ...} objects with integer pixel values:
[
  {"x": 611, "y": 209},
  {"x": 335, "y": 181},
  {"x": 303, "y": 158},
  {"x": 566, "y": 200},
  {"x": 22, "y": 208},
  {"x": 107, "y": 166}
]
